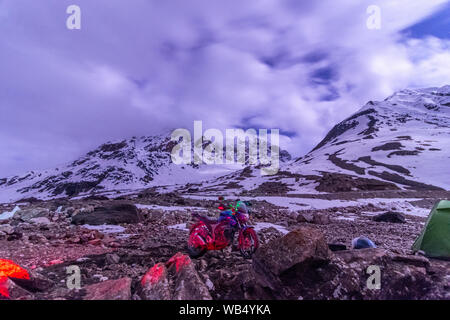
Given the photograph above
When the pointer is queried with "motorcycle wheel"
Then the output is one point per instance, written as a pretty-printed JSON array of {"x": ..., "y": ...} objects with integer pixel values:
[
  {"x": 248, "y": 243},
  {"x": 195, "y": 251}
]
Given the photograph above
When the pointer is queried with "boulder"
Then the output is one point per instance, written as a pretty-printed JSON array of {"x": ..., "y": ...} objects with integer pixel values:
[
  {"x": 402, "y": 277},
  {"x": 7, "y": 229},
  {"x": 188, "y": 285},
  {"x": 11, "y": 291},
  {"x": 36, "y": 283},
  {"x": 321, "y": 218},
  {"x": 313, "y": 217},
  {"x": 177, "y": 279},
  {"x": 305, "y": 217},
  {"x": 299, "y": 266},
  {"x": 109, "y": 290},
  {"x": 9, "y": 271},
  {"x": 40, "y": 221},
  {"x": 390, "y": 216},
  {"x": 113, "y": 214},
  {"x": 267, "y": 234},
  {"x": 283, "y": 260},
  {"x": 418, "y": 261},
  {"x": 112, "y": 258},
  {"x": 28, "y": 214},
  {"x": 363, "y": 257},
  {"x": 155, "y": 284}
]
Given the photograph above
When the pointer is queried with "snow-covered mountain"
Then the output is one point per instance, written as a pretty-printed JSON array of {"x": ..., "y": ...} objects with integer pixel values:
[
  {"x": 126, "y": 165},
  {"x": 132, "y": 164},
  {"x": 402, "y": 142}
]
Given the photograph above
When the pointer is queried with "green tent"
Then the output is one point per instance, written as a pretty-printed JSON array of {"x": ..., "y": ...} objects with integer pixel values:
[{"x": 435, "y": 237}]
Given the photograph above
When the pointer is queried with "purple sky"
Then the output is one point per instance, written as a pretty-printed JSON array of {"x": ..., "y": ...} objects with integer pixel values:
[{"x": 139, "y": 67}]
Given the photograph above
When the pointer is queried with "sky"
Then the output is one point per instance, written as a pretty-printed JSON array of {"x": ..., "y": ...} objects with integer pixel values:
[{"x": 143, "y": 67}]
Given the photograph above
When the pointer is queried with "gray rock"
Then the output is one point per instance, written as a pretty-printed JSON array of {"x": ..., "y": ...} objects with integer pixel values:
[
  {"x": 305, "y": 217},
  {"x": 28, "y": 214},
  {"x": 112, "y": 258},
  {"x": 321, "y": 218},
  {"x": 315, "y": 217},
  {"x": 178, "y": 279},
  {"x": 14, "y": 291},
  {"x": 7, "y": 229},
  {"x": 112, "y": 214},
  {"x": 110, "y": 290},
  {"x": 40, "y": 221},
  {"x": 282, "y": 260},
  {"x": 188, "y": 284},
  {"x": 155, "y": 284},
  {"x": 390, "y": 216}
]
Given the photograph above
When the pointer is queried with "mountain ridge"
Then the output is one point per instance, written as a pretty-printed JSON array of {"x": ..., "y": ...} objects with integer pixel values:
[{"x": 399, "y": 143}]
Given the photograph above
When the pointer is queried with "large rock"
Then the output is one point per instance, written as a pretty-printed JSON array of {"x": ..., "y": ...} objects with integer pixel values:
[
  {"x": 40, "y": 221},
  {"x": 113, "y": 214},
  {"x": 402, "y": 277},
  {"x": 155, "y": 284},
  {"x": 175, "y": 280},
  {"x": 109, "y": 290},
  {"x": 313, "y": 217},
  {"x": 11, "y": 291},
  {"x": 321, "y": 218},
  {"x": 9, "y": 271},
  {"x": 7, "y": 229},
  {"x": 299, "y": 266},
  {"x": 393, "y": 217},
  {"x": 36, "y": 283},
  {"x": 286, "y": 260},
  {"x": 188, "y": 285},
  {"x": 28, "y": 214}
]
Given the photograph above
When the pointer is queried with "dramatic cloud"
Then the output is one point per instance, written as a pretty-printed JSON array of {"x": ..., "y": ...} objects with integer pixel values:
[{"x": 142, "y": 67}]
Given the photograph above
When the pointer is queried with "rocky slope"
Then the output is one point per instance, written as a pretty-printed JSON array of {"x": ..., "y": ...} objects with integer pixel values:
[
  {"x": 400, "y": 143},
  {"x": 142, "y": 256}
]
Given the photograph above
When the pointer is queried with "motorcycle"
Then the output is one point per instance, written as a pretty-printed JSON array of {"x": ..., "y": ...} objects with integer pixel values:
[{"x": 206, "y": 235}]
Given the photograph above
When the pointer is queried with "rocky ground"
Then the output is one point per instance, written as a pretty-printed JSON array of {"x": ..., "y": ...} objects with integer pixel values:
[{"x": 141, "y": 254}]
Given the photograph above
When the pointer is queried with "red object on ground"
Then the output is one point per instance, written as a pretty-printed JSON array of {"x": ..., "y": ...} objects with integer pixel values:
[
  {"x": 9, "y": 269},
  {"x": 153, "y": 275},
  {"x": 3, "y": 289},
  {"x": 53, "y": 262},
  {"x": 180, "y": 260}
]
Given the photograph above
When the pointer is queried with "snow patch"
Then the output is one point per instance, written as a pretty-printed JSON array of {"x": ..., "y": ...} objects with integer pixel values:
[
  {"x": 180, "y": 226},
  {"x": 265, "y": 225},
  {"x": 166, "y": 208},
  {"x": 9, "y": 214},
  {"x": 105, "y": 228}
]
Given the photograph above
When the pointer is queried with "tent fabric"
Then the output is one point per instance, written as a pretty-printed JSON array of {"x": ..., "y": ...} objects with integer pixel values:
[
  {"x": 444, "y": 204},
  {"x": 435, "y": 237}
]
